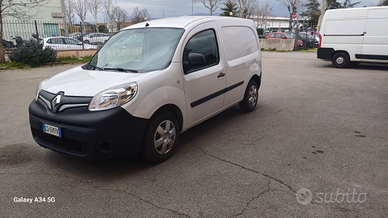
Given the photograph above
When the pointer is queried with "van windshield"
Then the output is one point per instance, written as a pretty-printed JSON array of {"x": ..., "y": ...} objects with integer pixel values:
[{"x": 137, "y": 50}]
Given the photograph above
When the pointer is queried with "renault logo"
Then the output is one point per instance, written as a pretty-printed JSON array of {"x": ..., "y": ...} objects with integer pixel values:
[{"x": 56, "y": 102}]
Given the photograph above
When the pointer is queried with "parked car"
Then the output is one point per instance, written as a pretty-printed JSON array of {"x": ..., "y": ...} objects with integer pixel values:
[
  {"x": 96, "y": 38},
  {"x": 146, "y": 85},
  {"x": 308, "y": 40},
  {"x": 75, "y": 35},
  {"x": 65, "y": 43},
  {"x": 281, "y": 35}
]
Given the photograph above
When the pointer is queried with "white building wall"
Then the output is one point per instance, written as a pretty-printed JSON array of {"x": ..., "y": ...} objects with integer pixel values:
[{"x": 50, "y": 19}]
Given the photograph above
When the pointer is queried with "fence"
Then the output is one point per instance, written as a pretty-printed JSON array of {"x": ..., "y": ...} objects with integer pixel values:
[{"x": 89, "y": 36}]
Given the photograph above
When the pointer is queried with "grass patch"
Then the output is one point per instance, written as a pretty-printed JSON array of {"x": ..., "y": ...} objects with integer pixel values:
[
  {"x": 13, "y": 65},
  {"x": 308, "y": 50},
  {"x": 73, "y": 59}
]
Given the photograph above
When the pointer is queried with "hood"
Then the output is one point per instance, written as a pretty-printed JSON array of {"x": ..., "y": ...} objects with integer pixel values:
[{"x": 88, "y": 83}]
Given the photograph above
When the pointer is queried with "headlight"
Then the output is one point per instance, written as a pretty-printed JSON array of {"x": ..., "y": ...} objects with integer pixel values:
[
  {"x": 113, "y": 97},
  {"x": 38, "y": 89}
]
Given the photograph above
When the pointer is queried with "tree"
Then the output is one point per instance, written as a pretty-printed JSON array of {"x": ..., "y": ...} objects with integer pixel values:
[
  {"x": 292, "y": 6},
  {"x": 247, "y": 8},
  {"x": 122, "y": 16},
  {"x": 69, "y": 11},
  {"x": 312, "y": 12},
  {"x": 94, "y": 7},
  {"x": 80, "y": 10},
  {"x": 230, "y": 8},
  {"x": 109, "y": 11},
  {"x": 263, "y": 12},
  {"x": 20, "y": 10},
  {"x": 334, "y": 4},
  {"x": 102, "y": 29},
  {"x": 139, "y": 16},
  {"x": 383, "y": 3},
  {"x": 212, "y": 5}
]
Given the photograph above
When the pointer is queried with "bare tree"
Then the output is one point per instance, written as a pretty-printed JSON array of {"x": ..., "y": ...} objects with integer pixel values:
[
  {"x": 80, "y": 9},
  {"x": 69, "y": 10},
  {"x": 139, "y": 16},
  {"x": 110, "y": 12},
  {"x": 94, "y": 7},
  {"x": 293, "y": 6},
  {"x": 20, "y": 10},
  {"x": 247, "y": 8},
  {"x": 122, "y": 17},
  {"x": 212, "y": 5},
  {"x": 263, "y": 12}
]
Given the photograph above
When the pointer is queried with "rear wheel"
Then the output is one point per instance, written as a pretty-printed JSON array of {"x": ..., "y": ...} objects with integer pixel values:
[
  {"x": 160, "y": 137},
  {"x": 340, "y": 60},
  {"x": 87, "y": 42},
  {"x": 251, "y": 97}
]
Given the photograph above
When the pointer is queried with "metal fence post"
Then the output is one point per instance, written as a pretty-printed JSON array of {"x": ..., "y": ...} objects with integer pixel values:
[
  {"x": 36, "y": 31},
  {"x": 82, "y": 37}
]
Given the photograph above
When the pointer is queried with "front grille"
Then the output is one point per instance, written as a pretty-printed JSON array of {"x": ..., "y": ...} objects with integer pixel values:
[{"x": 62, "y": 144}]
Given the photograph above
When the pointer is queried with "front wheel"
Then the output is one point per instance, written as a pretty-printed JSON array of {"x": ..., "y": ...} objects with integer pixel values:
[
  {"x": 340, "y": 60},
  {"x": 251, "y": 97},
  {"x": 160, "y": 137}
]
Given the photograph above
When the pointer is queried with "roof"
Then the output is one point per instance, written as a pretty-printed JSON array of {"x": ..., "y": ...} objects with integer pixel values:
[{"x": 185, "y": 21}]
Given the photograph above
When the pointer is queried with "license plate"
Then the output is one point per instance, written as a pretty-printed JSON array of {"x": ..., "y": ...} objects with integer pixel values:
[{"x": 52, "y": 130}]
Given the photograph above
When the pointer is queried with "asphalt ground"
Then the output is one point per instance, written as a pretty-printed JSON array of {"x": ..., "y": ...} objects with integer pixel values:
[{"x": 316, "y": 146}]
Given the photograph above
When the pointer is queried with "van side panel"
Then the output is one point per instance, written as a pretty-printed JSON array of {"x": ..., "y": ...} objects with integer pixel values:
[
  {"x": 344, "y": 30},
  {"x": 376, "y": 35},
  {"x": 242, "y": 56}
]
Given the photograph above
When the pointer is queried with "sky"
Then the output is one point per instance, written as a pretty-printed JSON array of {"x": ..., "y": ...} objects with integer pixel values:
[{"x": 174, "y": 8}]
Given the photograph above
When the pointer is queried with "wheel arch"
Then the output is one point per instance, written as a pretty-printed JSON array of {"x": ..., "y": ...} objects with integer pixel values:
[
  {"x": 174, "y": 110},
  {"x": 340, "y": 51},
  {"x": 257, "y": 79}
]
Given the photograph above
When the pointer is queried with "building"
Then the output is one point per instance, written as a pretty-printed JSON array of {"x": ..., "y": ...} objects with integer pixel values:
[
  {"x": 272, "y": 24},
  {"x": 47, "y": 20}
]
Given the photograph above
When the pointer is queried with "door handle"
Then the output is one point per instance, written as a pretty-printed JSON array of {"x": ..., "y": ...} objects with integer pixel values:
[{"x": 221, "y": 75}]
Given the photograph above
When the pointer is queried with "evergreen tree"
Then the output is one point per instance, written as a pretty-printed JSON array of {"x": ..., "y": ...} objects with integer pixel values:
[
  {"x": 229, "y": 6},
  {"x": 383, "y": 3},
  {"x": 312, "y": 12},
  {"x": 333, "y": 4}
]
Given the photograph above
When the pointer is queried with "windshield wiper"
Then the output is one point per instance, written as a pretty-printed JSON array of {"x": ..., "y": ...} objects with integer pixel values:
[
  {"x": 92, "y": 67},
  {"x": 121, "y": 69}
]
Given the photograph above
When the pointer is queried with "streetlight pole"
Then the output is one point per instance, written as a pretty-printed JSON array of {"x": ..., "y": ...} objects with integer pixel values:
[{"x": 192, "y": 7}]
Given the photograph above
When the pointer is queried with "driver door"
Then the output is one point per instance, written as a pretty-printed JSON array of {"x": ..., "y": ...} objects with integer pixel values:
[{"x": 203, "y": 85}]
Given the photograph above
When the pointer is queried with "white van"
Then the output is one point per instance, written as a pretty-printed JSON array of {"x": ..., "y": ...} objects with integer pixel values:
[
  {"x": 354, "y": 35},
  {"x": 146, "y": 85}
]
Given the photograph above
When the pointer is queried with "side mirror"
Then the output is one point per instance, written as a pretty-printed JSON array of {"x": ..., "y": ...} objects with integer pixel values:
[{"x": 193, "y": 60}]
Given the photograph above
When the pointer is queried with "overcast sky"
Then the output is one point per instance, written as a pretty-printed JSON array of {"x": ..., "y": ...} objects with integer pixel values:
[{"x": 173, "y": 8}]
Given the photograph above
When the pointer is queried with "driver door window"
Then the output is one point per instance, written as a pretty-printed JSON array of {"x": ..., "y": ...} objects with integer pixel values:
[{"x": 205, "y": 44}]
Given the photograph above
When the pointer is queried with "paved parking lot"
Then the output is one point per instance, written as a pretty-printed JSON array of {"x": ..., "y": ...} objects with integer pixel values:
[{"x": 317, "y": 146}]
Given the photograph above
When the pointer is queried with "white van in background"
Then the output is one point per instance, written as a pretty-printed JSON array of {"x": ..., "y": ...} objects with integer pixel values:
[{"x": 351, "y": 36}]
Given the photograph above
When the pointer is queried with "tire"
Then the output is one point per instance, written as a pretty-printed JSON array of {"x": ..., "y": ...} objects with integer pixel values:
[
  {"x": 87, "y": 42},
  {"x": 340, "y": 60},
  {"x": 251, "y": 97},
  {"x": 160, "y": 138}
]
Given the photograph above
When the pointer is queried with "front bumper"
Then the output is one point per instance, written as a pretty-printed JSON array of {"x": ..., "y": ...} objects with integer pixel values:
[{"x": 99, "y": 134}]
